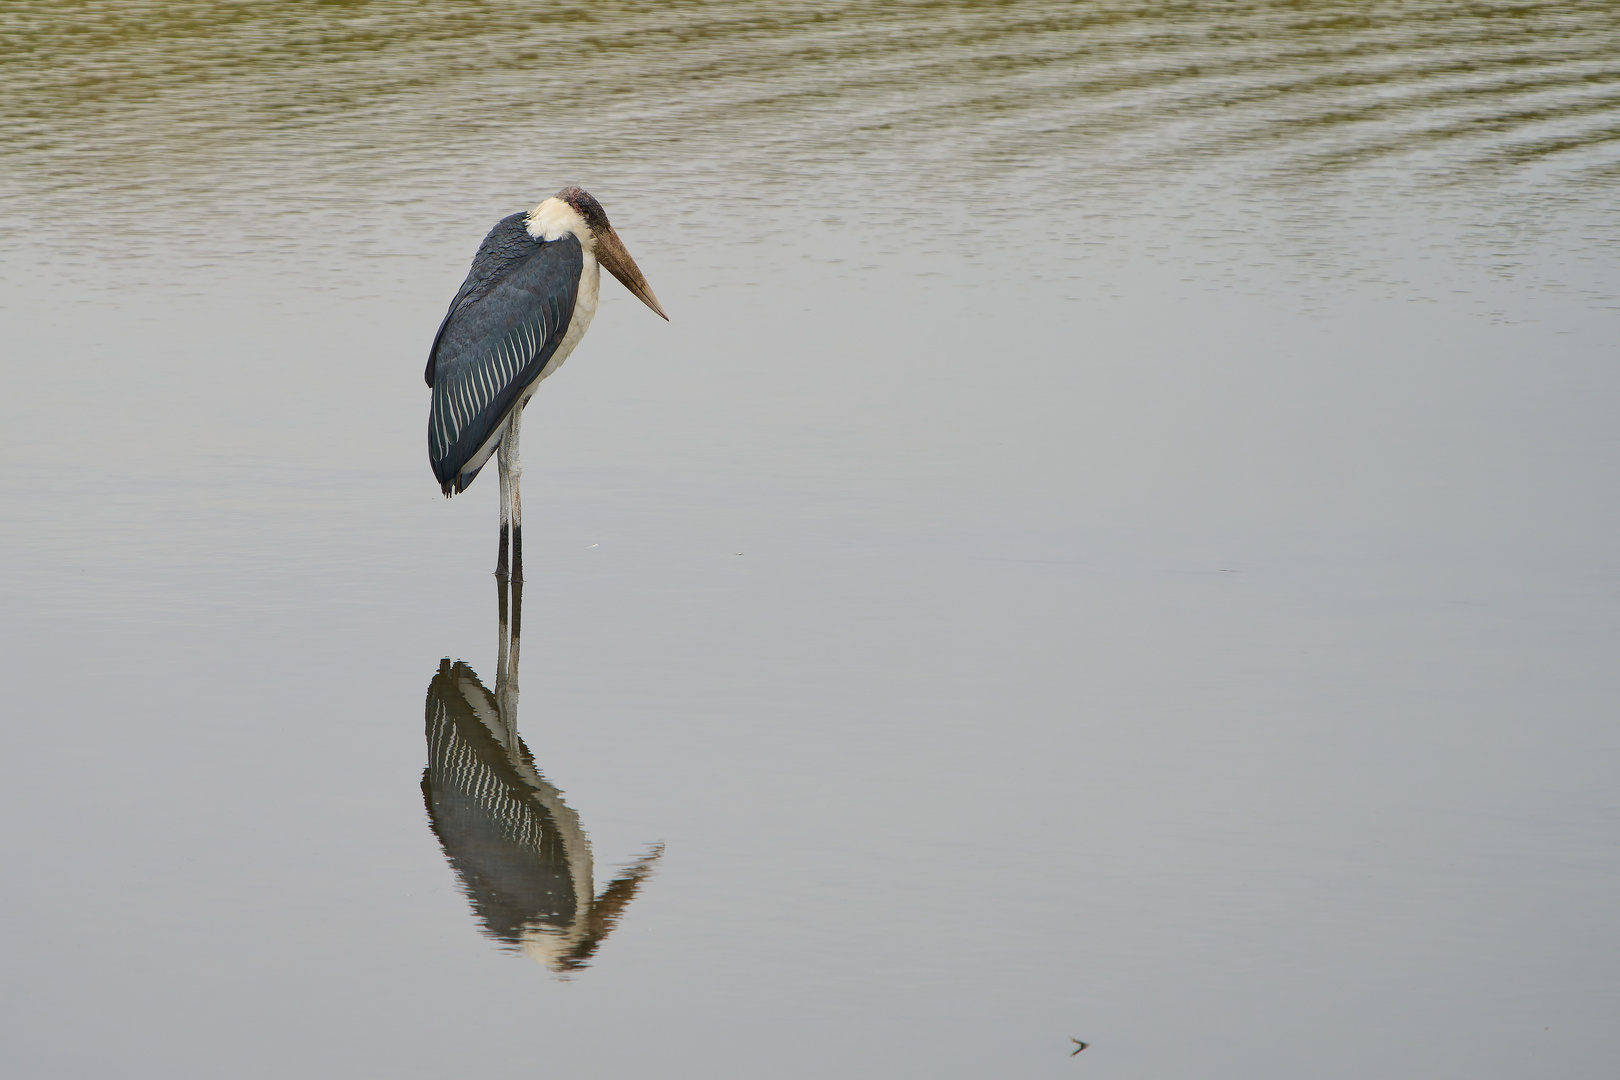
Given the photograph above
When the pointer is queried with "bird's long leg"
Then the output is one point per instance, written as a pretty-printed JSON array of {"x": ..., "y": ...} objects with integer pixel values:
[
  {"x": 501, "y": 563},
  {"x": 511, "y": 586},
  {"x": 514, "y": 470},
  {"x": 503, "y": 650},
  {"x": 510, "y": 701},
  {"x": 509, "y": 599}
]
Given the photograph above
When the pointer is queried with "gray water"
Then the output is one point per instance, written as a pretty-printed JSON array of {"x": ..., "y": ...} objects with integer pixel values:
[{"x": 1117, "y": 542}]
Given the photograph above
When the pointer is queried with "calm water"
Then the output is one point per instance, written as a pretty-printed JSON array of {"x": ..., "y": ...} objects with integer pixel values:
[{"x": 1118, "y": 542}]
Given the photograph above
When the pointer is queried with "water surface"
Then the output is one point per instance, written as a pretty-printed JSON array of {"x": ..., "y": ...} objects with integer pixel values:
[{"x": 1116, "y": 542}]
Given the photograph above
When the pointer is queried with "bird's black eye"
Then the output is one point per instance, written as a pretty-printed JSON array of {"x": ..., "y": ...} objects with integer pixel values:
[{"x": 589, "y": 209}]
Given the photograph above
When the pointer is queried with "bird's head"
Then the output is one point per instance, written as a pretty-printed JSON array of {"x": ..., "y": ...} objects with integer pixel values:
[{"x": 574, "y": 210}]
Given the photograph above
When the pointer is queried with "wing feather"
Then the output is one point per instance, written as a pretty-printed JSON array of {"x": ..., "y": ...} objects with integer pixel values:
[{"x": 500, "y": 332}]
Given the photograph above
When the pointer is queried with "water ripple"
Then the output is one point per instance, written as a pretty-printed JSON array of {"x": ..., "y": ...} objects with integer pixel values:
[{"x": 190, "y": 112}]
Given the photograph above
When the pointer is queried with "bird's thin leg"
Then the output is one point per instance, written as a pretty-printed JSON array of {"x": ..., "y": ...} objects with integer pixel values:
[
  {"x": 503, "y": 643},
  {"x": 510, "y": 700},
  {"x": 514, "y": 469},
  {"x": 501, "y": 564}
]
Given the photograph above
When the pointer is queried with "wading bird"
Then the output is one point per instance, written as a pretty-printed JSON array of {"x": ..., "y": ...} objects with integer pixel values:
[{"x": 528, "y": 299}]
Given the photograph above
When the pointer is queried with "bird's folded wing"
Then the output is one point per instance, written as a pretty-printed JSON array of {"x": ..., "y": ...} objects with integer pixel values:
[{"x": 493, "y": 347}]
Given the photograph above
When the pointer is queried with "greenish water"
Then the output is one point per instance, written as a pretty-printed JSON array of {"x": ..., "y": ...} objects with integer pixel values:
[{"x": 1116, "y": 542}]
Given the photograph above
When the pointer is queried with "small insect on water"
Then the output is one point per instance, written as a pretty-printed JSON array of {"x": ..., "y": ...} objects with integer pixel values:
[{"x": 1078, "y": 1045}]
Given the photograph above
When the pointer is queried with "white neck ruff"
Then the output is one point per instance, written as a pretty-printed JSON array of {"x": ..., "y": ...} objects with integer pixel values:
[{"x": 554, "y": 219}]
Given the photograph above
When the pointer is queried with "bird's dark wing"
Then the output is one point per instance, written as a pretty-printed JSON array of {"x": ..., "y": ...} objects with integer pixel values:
[{"x": 502, "y": 328}]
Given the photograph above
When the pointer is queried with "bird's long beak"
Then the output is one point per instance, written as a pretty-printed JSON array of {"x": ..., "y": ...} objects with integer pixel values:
[{"x": 616, "y": 260}]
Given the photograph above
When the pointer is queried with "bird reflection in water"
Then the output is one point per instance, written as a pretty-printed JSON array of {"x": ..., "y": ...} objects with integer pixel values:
[{"x": 517, "y": 847}]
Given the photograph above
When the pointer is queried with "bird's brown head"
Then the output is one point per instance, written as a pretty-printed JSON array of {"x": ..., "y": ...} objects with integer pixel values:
[{"x": 610, "y": 250}]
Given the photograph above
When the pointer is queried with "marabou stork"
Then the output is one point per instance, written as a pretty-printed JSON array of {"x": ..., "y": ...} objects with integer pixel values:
[{"x": 528, "y": 299}]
